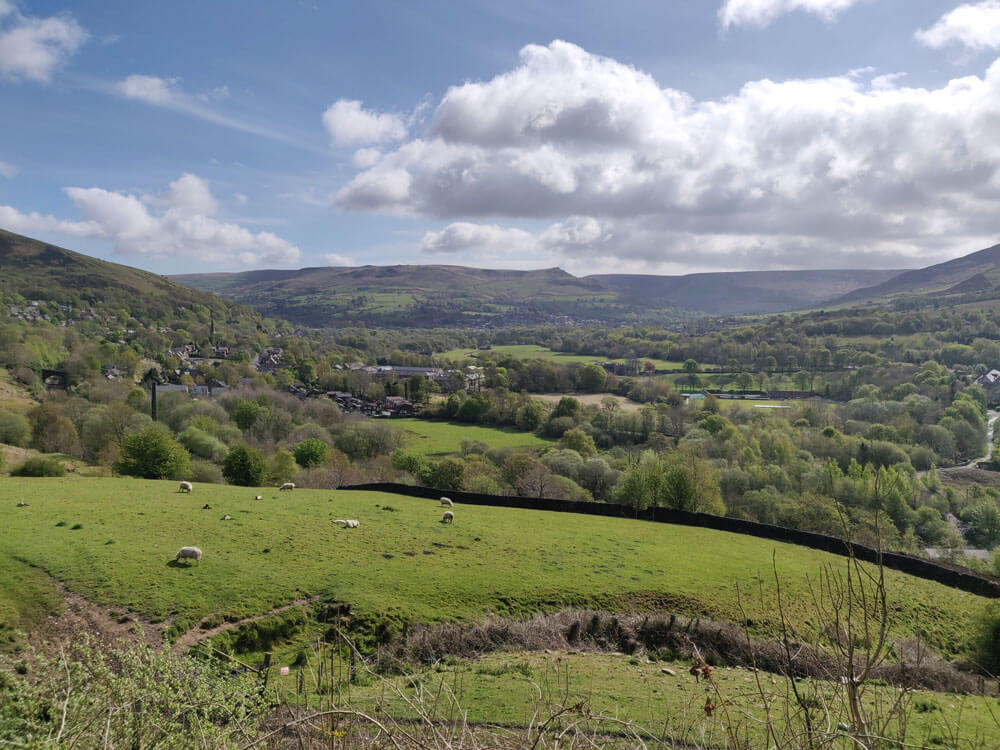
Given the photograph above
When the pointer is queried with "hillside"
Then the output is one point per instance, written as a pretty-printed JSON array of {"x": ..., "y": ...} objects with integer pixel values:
[
  {"x": 446, "y": 295},
  {"x": 35, "y": 270},
  {"x": 975, "y": 275}
]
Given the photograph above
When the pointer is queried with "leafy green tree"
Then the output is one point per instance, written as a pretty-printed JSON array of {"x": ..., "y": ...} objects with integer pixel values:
[
  {"x": 445, "y": 474},
  {"x": 152, "y": 453},
  {"x": 14, "y": 429},
  {"x": 579, "y": 441},
  {"x": 593, "y": 378},
  {"x": 245, "y": 466},
  {"x": 311, "y": 452},
  {"x": 283, "y": 466},
  {"x": 246, "y": 413}
]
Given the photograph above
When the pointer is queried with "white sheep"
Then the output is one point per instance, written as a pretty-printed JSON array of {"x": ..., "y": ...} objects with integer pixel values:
[
  {"x": 186, "y": 487},
  {"x": 446, "y": 502},
  {"x": 259, "y": 497},
  {"x": 189, "y": 553},
  {"x": 352, "y": 524},
  {"x": 227, "y": 517},
  {"x": 449, "y": 517},
  {"x": 348, "y": 524},
  {"x": 287, "y": 486}
]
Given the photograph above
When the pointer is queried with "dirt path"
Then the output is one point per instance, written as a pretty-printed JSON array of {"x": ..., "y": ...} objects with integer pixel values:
[
  {"x": 79, "y": 615},
  {"x": 197, "y": 634}
]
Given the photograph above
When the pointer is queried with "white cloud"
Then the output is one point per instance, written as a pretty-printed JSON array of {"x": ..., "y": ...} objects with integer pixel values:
[
  {"x": 168, "y": 94},
  {"x": 33, "y": 48},
  {"x": 975, "y": 26},
  {"x": 334, "y": 259},
  {"x": 7, "y": 169},
  {"x": 484, "y": 239},
  {"x": 763, "y": 12},
  {"x": 801, "y": 172},
  {"x": 183, "y": 226},
  {"x": 366, "y": 157},
  {"x": 350, "y": 125}
]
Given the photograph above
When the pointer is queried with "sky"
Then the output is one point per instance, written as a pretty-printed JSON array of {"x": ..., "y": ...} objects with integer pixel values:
[{"x": 640, "y": 136}]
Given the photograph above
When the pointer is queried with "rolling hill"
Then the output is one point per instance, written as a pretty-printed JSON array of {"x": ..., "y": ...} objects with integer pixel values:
[
  {"x": 976, "y": 274},
  {"x": 32, "y": 270},
  {"x": 446, "y": 295}
]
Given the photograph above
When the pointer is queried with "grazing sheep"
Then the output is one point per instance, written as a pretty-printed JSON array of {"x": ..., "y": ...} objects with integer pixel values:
[
  {"x": 22, "y": 505},
  {"x": 449, "y": 517},
  {"x": 186, "y": 487},
  {"x": 352, "y": 524},
  {"x": 259, "y": 497},
  {"x": 446, "y": 502},
  {"x": 287, "y": 486},
  {"x": 227, "y": 517},
  {"x": 189, "y": 553},
  {"x": 348, "y": 524}
]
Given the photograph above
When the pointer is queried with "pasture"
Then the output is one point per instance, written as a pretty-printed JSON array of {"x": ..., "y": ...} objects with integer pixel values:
[
  {"x": 507, "y": 689},
  {"x": 533, "y": 351},
  {"x": 436, "y": 438},
  {"x": 114, "y": 540}
]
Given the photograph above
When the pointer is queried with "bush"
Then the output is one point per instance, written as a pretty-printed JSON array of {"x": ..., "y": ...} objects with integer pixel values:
[
  {"x": 205, "y": 472},
  {"x": 14, "y": 429},
  {"x": 311, "y": 452},
  {"x": 152, "y": 453},
  {"x": 245, "y": 467},
  {"x": 202, "y": 444},
  {"x": 40, "y": 466}
]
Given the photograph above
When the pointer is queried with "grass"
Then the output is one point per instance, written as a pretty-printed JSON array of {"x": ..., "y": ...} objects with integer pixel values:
[
  {"x": 27, "y": 597},
  {"x": 506, "y": 689},
  {"x": 433, "y": 438},
  {"x": 406, "y": 564},
  {"x": 533, "y": 351},
  {"x": 13, "y": 396}
]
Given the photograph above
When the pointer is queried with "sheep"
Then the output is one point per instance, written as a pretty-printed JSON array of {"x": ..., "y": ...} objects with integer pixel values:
[
  {"x": 287, "y": 486},
  {"x": 227, "y": 517},
  {"x": 22, "y": 504},
  {"x": 348, "y": 524},
  {"x": 449, "y": 517},
  {"x": 447, "y": 503},
  {"x": 259, "y": 497},
  {"x": 189, "y": 553},
  {"x": 206, "y": 506},
  {"x": 186, "y": 487}
]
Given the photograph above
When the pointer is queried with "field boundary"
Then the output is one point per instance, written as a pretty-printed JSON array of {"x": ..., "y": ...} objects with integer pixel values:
[{"x": 951, "y": 576}]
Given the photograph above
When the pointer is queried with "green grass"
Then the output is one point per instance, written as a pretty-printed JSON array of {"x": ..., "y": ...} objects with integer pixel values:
[
  {"x": 507, "y": 689},
  {"x": 432, "y": 438},
  {"x": 406, "y": 564},
  {"x": 27, "y": 597},
  {"x": 532, "y": 351}
]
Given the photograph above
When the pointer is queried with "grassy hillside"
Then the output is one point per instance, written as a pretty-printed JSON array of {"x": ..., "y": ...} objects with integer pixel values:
[
  {"x": 976, "y": 274},
  {"x": 432, "y": 438},
  {"x": 113, "y": 541},
  {"x": 32, "y": 270},
  {"x": 449, "y": 295}
]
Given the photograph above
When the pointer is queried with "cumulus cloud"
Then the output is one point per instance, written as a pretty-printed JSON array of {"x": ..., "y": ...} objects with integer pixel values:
[
  {"x": 335, "y": 259},
  {"x": 763, "y": 12},
  {"x": 350, "y": 125},
  {"x": 178, "y": 223},
  {"x": 33, "y": 48},
  {"x": 8, "y": 170},
  {"x": 855, "y": 166},
  {"x": 483, "y": 239},
  {"x": 975, "y": 26}
]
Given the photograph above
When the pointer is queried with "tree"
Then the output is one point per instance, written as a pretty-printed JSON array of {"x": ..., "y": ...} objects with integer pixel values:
[
  {"x": 283, "y": 466},
  {"x": 579, "y": 441},
  {"x": 244, "y": 466},
  {"x": 152, "y": 453},
  {"x": 691, "y": 369},
  {"x": 445, "y": 474},
  {"x": 593, "y": 378},
  {"x": 311, "y": 452},
  {"x": 246, "y": 413}
]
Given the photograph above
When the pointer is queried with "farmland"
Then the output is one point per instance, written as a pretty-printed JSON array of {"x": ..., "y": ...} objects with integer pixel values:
[
  {"x": 434, "y": 438},
  {"x": 531, "y": 351},
  {"x": 113, "y": 541}
]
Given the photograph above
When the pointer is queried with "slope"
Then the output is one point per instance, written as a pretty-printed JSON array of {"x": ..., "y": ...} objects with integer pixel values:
[{"x": 35, "y": 270}]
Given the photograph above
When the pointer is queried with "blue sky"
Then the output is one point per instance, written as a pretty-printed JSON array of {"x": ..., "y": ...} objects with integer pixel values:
[{"x": 666, "y": 136}]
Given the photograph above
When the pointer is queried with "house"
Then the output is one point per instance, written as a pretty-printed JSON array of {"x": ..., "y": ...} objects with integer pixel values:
[
  {"x": 396, "y": 406},
  {"x": 990, "y": 382}
]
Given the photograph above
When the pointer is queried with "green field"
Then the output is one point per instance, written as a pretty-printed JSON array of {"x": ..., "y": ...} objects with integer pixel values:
[
  {"x": 403, "y": 563},
  {"x": 508, "y": 688},
  {"x": 532, "y": 351},
  {"x": 433, "y": 438}
]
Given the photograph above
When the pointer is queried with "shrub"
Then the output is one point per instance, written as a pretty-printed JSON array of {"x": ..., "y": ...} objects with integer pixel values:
[
  {"x": 39, "y": 466},
  {"x": 14, "y": 429},
  {"x": 245, "y": 467},
  {"x": 311, "y": 452},
  {"x": 152, "y": 453},
  {"x": 205, "y": 472},
  {"x": 202, "y": 444}
]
